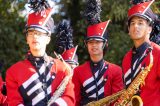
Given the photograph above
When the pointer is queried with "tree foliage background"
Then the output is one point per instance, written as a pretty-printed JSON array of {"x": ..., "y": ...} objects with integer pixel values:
[{"x": 13, "y": 45}]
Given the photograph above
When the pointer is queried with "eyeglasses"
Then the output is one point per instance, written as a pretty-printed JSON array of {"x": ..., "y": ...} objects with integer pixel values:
[
  {"x": 37, "y": 33},
  {"x": 94, "y": 42}
]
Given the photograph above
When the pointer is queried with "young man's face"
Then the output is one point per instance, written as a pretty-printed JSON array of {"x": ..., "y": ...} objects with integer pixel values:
[
  {"x": 95, "y": 47},
  {"x": 139, "y": 28},
  {"x": 37, "y": 40}
]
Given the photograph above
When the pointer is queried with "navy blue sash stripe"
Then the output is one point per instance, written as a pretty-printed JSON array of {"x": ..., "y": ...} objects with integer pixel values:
[
  {"x": 32, "y": 84},
  {"x": 49, "y": 81},
  {"x": 34, "y": 94},
  {"x": 28, "y": 98},
  {"x": 131, "y": 75},
  {"x": 24, "y": 95},
  {"x": 94, "y": 90},
  {"x": 101, "y": 96},
  {"x": 91, "y": 83},
  {"x": 97, "y": 79},
  {"x": 100, "y": 85},
  {"x": 48, "y": 69}
]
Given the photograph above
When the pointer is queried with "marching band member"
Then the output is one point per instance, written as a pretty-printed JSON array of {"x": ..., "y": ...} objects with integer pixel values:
[
  {"x": 96, "y": 78},
  {"x": 140, "y": 21},
  {"x": 64, "y": 44},
  {"x": 33, "y": 81},
  {"x": 3, "y": 98}
]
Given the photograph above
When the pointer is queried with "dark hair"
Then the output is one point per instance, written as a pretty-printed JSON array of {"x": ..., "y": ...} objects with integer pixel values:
[
  {"x": 155, "y": 34},
  {"x": 149, "y": 22}
]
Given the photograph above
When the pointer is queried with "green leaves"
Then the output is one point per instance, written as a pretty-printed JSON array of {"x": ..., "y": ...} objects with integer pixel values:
[{"x": 12, "y": 40}]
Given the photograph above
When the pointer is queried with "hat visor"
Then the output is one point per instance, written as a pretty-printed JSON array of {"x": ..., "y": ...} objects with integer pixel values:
[
  {"x": 72, "y": 62},
  {"x": 95, "y": 38},
  {"x": 141, "y": 16},
  {"x": 38, "y": 28}
]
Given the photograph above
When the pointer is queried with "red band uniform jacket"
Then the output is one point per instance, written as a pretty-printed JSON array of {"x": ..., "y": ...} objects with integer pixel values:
[
  {"x": 109, "y": 82},
  {"x": 25, "y": 88},
  {"x": 3, "y": 98},
  {"x": 150, "y": 92}
]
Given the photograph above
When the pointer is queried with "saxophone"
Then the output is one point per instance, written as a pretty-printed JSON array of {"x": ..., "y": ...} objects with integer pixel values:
[
  {"x": 127, "y": 96},
  {"x": 106, "y": 100},
  {"x": 63, "y": 84}
]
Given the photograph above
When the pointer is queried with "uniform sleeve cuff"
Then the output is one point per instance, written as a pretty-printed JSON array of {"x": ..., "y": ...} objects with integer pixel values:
[{"x": 61, "y": 102}]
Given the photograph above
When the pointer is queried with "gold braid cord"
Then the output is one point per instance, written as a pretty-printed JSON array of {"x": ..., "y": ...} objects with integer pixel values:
[
  {"x": 126, "y": 96},
  {"x": 61, "y": 88}
]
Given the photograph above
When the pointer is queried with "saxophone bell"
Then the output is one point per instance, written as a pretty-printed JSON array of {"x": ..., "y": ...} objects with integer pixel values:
[{"x": 136, "y": 101}]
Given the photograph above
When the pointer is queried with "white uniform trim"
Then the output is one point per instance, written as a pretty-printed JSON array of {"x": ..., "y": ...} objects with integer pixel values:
[
  {"x": 93, "y": 96},
  {"x": 127, "y": 73},
  {"x": 49, "y": 76},
  {"x": 134, "y": 65},
  {"x": 38, "y": 98},
  {"x": 138, "y": 69},
  {"x": 49, "y": 89},
  {"x": 33, "y": 89},
  {"x": 101, "y": 80},
  {"x": 42, "y": 69},
  {"x": 129, "y": 81},
  {"x": 30, "y": 80},
  {"x": 61, "y": 102},
  {"x": 99, "y": 93},
  {"x": 91, "y": 79},
  {"x": 93, "y": 87}
]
